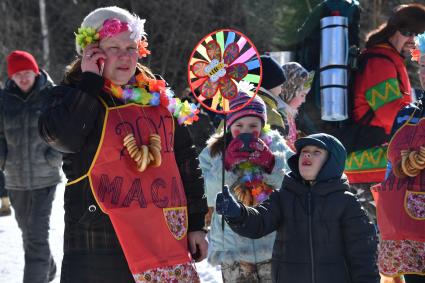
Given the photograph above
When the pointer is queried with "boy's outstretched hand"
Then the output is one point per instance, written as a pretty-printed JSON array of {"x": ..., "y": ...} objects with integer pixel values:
[{"x": 226, "y": 204}]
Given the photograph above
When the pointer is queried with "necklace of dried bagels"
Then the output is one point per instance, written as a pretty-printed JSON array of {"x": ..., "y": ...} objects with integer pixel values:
[
  {"x": 244, "y": 196},
  {"x": 412, "y": 162},
  {"x": 146, "y": 155}
]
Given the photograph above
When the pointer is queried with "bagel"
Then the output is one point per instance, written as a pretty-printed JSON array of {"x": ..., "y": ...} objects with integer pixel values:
[
  {"x": 412, "y": 159},
  {"x": 158, "y": 147},
  {"x": 128, "y": 138},
  {"x": 133, "y": 152},
  {"x": 248, "y": 198},
  {"x": 138, "y": 156},
  {"x": 151, "y": 158},
  {"x": 155, "y": 137},
  {"x": 416, "y": 161},
  {"x": 144, "y": 162},
  {"x": 407, "y": 168},
  {"x": 238, "y": 192},
  {"x": 157, "y": 159}
]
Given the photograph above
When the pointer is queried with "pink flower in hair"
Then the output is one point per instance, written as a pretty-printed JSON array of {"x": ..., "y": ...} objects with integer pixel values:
[{"x": 112, "y": 27}]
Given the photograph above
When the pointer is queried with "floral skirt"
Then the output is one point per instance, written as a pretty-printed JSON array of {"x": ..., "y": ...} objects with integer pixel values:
[
  {"x": 179, "y": 273},
  {"x": 401, "y": 257}
]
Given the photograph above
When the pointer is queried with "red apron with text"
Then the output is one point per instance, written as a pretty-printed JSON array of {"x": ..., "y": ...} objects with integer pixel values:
[
  {"x": 147, "y": 209},
  {"x": 400, "y": 202}
]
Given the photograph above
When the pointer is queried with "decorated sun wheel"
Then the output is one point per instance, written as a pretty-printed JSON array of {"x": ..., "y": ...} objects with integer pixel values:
[{"x": 224, "y": 63}]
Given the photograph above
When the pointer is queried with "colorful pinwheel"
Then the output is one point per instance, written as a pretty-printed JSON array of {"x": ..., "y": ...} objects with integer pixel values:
[
  {"x": 223, "y": 63},
  {"x": 220, "y": 71}
]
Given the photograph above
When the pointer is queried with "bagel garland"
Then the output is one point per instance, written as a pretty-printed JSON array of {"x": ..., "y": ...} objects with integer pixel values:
[
  {"x": 146, "y": 155},
  {"x": 412, "y": 162},
  {"x": 244, "y": 196}
]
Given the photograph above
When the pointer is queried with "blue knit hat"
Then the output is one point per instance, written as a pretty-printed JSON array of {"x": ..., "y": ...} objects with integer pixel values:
[
  {"x": 273, "y": 74},
  {"x": 256, "y": 108},
  {"x": 333, "y": 167}
]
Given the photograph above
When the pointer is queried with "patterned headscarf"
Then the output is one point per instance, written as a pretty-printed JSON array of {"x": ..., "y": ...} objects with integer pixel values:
[{"x": 297, "y": 79}]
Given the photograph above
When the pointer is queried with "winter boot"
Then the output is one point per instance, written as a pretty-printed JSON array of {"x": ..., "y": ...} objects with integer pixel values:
[{"x": 5, "y": 207}]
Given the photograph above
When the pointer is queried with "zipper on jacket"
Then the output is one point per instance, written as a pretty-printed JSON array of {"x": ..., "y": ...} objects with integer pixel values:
[{"x": 310, "y": 237}]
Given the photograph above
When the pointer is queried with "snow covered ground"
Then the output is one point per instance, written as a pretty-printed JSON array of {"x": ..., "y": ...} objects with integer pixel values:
[{"x": 12, "y": 256}]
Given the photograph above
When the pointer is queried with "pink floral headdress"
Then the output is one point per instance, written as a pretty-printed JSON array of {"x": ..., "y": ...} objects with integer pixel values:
[{"x": 112, "y": 27}]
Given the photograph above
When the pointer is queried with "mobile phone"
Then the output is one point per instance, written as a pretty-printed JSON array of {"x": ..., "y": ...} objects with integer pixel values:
[{"x": 101, "y": 65}]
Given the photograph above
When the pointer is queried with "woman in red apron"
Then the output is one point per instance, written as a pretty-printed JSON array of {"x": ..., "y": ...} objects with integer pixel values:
[
  {"x": 134, "y": 204},
  {"x": 401, "y": 198}
]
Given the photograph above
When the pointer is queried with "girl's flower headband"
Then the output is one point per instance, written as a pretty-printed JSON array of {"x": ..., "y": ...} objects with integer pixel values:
[
  {"x": 111, "y": 27},
  {"x": 420, "y": 47}
]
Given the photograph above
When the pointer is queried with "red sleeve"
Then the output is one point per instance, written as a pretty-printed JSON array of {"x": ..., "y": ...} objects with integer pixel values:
[{"x": 377, "y": 71}]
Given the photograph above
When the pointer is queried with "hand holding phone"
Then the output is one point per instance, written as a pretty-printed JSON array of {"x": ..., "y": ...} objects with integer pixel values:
[{"x": 93, "y": 60}]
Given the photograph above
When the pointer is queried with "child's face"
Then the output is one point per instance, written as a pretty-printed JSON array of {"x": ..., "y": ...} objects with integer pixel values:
[
  {"x": 247, "y": 124},
  {"x": 311, "y": 161},
  {"x": 299, "y": 99}
]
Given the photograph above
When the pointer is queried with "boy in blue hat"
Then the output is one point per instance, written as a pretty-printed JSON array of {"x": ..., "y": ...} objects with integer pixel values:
[{"x": 323, "y": 234}]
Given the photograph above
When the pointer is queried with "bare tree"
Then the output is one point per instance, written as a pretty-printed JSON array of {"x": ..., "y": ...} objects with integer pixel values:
[{"x": 44, "y": 34}]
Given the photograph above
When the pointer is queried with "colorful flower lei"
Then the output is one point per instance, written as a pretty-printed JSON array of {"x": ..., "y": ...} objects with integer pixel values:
[
  {"x": 145, "y": 91},
  {"x": 111, "y": 27},
  {"x": 251, "y": 176},
  {"x": 420, "y": 47}
]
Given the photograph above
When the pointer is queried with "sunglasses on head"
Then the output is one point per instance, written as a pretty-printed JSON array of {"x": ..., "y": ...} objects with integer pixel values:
[{"x": 407, "y": 33}]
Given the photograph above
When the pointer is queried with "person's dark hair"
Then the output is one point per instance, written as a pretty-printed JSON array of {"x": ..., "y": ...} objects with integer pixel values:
[
  {"x": 409, "y": 17},
  {"x": 216, "y": 142},
  {"x": 73, "y": 72}
]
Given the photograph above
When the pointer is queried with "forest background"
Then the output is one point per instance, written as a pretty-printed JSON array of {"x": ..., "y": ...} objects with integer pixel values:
[{"x": 46, "y": 28}]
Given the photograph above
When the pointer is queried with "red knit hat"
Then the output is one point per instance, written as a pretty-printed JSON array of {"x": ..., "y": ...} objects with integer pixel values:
[{"x": 19, "y": 61}]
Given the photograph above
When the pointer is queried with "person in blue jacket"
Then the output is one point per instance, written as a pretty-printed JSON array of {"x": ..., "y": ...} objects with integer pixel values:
[{"x": 323, "y": 234}]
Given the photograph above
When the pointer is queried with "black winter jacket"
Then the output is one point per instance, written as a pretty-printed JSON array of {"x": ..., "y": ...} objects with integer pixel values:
[
  {"x": 74, "y": 126},
  {"x": 28, "y": 162},
  {"x": 323, "y": 234}
]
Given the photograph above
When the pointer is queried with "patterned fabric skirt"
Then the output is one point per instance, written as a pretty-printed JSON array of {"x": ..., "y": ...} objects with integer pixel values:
[
  {"x": 245, "y": 272},
  {"x": 179, "y": 273},
  {"x": 401, "y": 257}
]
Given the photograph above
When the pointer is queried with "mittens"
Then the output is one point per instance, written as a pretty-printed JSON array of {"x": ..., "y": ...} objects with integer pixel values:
[
  {"x": 226, "y": 204},
  {"x": 234, "y": 155},
  {"x": 261, "y": 156}
]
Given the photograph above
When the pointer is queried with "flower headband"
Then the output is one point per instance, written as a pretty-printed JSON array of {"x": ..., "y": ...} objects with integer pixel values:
[
  {"x": 420, "y": 47},
  {"x": 112, "y": 27}
]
